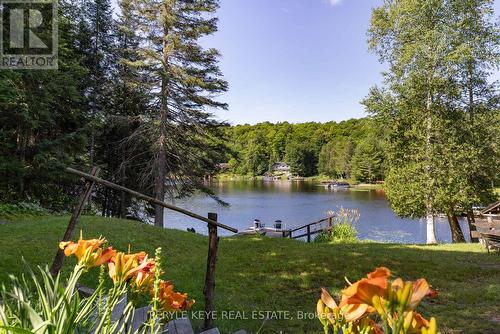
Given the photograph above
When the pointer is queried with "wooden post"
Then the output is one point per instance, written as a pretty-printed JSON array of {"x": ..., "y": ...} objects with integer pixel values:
[
  {"x": 59, "y": 258},
  {"x": 472, "y": 228},
  {"x": 308, "y": 233},
  {"x": 330, "y": 222},
  {"x": 208, "y": 291}
]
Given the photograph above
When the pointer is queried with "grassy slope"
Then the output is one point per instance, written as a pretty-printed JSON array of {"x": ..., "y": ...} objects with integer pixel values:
[{"x": 264, "y": 274}]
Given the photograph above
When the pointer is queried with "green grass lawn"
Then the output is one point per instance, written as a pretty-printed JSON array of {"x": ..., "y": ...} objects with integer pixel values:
[{"x": 260, "y": 274}]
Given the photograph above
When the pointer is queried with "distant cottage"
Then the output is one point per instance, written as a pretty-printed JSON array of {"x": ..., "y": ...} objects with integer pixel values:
[
  {"x": 224, "y": 167},
  {"x": 281, "y": 167}
]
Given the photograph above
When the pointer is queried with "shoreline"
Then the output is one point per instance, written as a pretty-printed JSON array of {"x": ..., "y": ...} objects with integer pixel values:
[{"x": 315, "y": 178}]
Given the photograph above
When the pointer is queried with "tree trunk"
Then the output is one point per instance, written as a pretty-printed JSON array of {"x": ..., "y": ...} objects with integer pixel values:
[
  {"x": 472, "y": 228},
  {"x": 123, "y": 198},
  {"x": 470, "y": 89},
  {"x": 161, "y": 158},
  {"x": 92, "y": 146},
  {"x": 105, "y": 201},
  {"x": 431, "y": 229},
  {"x": 457, "y": 236}
]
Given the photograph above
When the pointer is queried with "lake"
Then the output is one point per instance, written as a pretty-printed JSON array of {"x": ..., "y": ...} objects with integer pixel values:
[{"x": 300, "y": 203}]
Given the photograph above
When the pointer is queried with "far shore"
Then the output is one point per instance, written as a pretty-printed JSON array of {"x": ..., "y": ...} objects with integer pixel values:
[{"x": 317, "y": 178}]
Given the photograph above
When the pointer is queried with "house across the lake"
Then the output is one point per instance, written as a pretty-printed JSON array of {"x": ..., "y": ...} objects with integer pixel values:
[
  {"x": 224, "y": 167},
  {"x": 281, "y": 167}
]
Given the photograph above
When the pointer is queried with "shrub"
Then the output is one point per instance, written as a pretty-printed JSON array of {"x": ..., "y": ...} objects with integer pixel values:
[
  {"x": 343, "y": 227},
  {"x": 22, "y": 208}
]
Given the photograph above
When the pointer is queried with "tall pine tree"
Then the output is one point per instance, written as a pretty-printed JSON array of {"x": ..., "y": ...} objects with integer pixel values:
[{"x": 179, "y": 128}]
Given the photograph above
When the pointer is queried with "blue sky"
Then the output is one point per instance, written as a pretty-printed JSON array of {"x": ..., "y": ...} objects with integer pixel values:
[{"x": 295, "y": 60}]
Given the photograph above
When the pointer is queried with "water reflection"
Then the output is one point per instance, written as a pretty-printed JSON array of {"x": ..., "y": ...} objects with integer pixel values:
[{"x": 299, "y": 203}]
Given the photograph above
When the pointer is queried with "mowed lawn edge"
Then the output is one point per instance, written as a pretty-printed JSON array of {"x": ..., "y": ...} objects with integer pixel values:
[{"x": 256, "y": 276}]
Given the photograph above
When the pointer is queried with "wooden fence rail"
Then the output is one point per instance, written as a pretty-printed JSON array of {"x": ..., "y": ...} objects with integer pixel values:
[
  {"x": 309, "y": 233},
  {"x": 149, "y": 199},
  {"x": 213, "y": 239}
]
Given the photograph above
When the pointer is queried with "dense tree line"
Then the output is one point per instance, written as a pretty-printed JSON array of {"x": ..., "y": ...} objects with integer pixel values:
[
  {"x": 134, "y": 95},
  {"x": 350, "y": 149}
]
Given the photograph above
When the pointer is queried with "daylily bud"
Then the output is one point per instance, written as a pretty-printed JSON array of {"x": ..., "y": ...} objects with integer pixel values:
[
  {"x": 406, "y": 295},
  {"x": 432, "y": 326},
  {"x": 378, "y": 305},
  {"x": 408, "y": 320}
]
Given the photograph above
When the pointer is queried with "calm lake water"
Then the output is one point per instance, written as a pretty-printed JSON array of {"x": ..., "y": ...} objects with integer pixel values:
[{"x": 300, "y": 203}]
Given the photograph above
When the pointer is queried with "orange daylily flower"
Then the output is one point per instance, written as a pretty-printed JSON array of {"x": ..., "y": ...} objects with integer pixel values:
[
  {"x": 79, "y": 248},
  {"x": 326, "y": 308},
  {"x": 414, "y": 322},
  {"x": 88, "y": 252},
  {"x": 357, "y": 298},
  {"x": 419, "y": 321},
  {"x": 123, "y": 266},
  {"x": 394, "y": 302},
  {"x": 327, "y": 299},
  {"x": 420, "y": 289},
  {"x": 171, "y": 300},
  {"x": 145, "y": 275}
]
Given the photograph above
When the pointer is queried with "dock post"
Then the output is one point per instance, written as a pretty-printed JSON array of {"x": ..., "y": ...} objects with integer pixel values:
[
  {"x": 309, "y": 233},
  {"x": 209, "y": 289}
]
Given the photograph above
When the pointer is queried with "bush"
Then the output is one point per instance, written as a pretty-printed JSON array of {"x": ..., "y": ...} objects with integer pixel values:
[
  {"x": 23, "y": 208},
  {"x": 343, "y": 227}
]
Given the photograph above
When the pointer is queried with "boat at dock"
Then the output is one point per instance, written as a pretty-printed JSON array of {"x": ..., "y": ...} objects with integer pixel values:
[
  {"x": 260, "y": 228},
  {"x": 336, "y": 185}
]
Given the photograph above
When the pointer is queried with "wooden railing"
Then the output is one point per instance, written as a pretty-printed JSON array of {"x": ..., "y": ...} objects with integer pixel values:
[
  {"x": 211, "y": 220},
  {"x": 308, "y": 233}
]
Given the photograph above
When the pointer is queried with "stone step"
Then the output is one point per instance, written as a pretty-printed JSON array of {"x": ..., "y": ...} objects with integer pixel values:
[
  {"x": 211, "y": 331},
  {"x": 179, "y": 326},
  {"x": 141, "y": 316}
]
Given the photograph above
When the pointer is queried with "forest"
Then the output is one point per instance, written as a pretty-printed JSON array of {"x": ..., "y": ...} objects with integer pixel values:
[
  {"x": 118, "y": 102},
  {"x": 351, "y": 149}
]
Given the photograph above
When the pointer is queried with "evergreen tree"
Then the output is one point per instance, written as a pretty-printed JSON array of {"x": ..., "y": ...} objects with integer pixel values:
[
  {"x": 367, "y": 161},
  {"x": 41, "y": 125},
  {"x": 184, "y": 77},
  {"x": 301, "y": 158},
  {"x": 335, "y": 158},
  {"x": 128, "y": 101},
  {"x": 256, "y": 157},
  {"x": 97, "y": 39}
]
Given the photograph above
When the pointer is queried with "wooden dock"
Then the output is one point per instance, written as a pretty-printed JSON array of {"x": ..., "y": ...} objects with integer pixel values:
[{"x": 303, "y": 232}]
